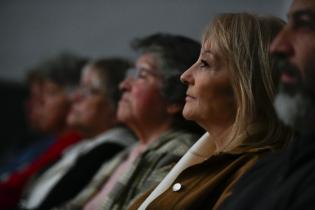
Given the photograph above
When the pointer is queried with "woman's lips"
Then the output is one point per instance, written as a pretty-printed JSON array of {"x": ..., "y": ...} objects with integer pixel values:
[
  {"x": 189, "y": 98},
  {"x": 124, "y": 98}
]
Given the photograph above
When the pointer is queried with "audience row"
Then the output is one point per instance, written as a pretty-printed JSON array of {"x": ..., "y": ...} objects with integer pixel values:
[{"x": 225, "y": 124}]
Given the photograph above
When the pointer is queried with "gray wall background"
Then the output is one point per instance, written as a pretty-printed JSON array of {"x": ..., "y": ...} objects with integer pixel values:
[{"x": 36, "y": 29}]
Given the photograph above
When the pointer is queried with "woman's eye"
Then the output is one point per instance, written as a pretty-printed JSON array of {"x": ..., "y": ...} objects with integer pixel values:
[
  {"x": 204, "y": 64},
  {"x": 142, "y": 74}
]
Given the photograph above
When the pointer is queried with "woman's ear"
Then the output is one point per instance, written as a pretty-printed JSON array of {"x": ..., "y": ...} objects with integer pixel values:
[{"x": 174, "y": 108}]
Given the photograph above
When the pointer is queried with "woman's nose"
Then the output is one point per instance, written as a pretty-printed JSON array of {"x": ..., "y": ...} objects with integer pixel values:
[
  {"x": 76, "y": 95},
  {"x": 186, "y": 77},
  {"x": 126, "y": 83}
]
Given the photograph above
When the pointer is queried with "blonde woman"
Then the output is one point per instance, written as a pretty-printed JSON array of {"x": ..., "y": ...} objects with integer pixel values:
[{"x": 230, "y": 93}]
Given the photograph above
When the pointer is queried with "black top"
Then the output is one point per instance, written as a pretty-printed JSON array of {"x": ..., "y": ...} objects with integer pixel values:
[
  {"x": 79, "y": 175},
  {"x": 282, "y": 180}
]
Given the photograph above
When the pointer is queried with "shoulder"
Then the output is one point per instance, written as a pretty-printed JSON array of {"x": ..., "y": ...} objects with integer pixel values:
[{"x": 177, "y": 142}]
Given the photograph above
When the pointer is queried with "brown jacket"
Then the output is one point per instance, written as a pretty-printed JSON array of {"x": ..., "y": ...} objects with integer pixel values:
[{"x": 206, "y": 185}]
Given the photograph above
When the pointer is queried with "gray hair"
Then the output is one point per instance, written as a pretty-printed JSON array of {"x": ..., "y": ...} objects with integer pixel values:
[
  {"x": 111, "y": 71},
  {"x": 64, "y": 69},
  {"x": 175, "y": 54}
]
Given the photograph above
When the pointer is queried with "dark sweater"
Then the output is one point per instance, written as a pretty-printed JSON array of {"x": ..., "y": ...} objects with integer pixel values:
[{"x": 283, "y": 180}]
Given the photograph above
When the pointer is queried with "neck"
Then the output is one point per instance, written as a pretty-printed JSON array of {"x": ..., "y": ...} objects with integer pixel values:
[
  {"x": 219, "y": 135},
  {"x": 95, "y": 131}
]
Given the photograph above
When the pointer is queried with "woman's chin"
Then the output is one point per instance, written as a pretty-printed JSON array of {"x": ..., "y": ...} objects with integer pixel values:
[{"x": 188, "y": 115}]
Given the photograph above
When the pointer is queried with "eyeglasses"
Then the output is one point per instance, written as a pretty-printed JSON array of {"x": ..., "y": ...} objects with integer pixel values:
[
  {"x": 85, "y": 91},
  {"x": 141, "y": 73}
]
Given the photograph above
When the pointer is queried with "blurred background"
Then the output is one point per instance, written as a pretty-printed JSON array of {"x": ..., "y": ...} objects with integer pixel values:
[{"x": 34, "y": 30}]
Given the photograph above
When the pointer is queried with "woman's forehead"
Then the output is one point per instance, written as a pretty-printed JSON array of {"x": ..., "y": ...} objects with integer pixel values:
[
  {"x": 91, "y": 77},
  {"x": 147, "y": 60},
  {"x": 210, "y": 47}
]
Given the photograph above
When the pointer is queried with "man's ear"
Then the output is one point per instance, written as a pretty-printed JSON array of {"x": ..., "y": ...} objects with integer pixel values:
[{"x": 174, "y": 108}]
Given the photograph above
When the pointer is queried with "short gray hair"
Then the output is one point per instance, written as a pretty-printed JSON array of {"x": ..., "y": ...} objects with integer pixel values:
[
  {"x": 175, "y": 54},
  {"x": 111, "y": 71}
]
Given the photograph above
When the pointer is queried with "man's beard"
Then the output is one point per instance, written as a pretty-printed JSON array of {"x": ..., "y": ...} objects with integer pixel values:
[
  {"x": 291, "y": 109},
  {"x": 296, "y": 110},
  {"x": 295, "y": 101},
  {"x": 287, "y": 108}
]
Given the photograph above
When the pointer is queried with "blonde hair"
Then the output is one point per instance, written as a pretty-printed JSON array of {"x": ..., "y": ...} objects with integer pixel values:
[{"x": 242, "y": 40}]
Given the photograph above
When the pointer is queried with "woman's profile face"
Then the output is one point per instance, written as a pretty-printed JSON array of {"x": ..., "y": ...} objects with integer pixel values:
[
  {"x": 209, "y": 97},
  {"x": 55, "y": 107},
  {"x": 141, "y": 100},
  {"x": 91, "y": 111}
]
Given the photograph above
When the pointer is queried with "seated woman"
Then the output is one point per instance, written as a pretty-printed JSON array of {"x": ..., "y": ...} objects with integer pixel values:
[
  {"x": 230, "y": 93},
  {"x": 93, "y": 114},
  {"x": 60, "y": 75},
  {"x": 151, "y": 105}
]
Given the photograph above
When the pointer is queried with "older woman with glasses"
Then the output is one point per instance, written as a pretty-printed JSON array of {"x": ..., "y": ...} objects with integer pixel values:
[
  {"x": 151, "y": 105},
  {"x": 230, "y": 93}
]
